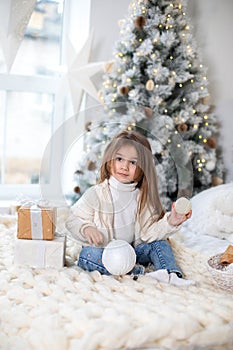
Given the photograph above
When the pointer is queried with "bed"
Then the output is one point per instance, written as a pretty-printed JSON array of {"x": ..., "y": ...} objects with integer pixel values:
[{"x": 70, "y": 309}]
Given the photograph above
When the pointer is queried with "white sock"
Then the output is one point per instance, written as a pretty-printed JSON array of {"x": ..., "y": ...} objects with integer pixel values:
[
  {"x": 177, "y": 281},
  {"x": 160, "y": 275}
]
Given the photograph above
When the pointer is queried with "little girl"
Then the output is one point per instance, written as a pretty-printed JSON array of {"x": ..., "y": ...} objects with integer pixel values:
[{"x": 125, "y": 205}]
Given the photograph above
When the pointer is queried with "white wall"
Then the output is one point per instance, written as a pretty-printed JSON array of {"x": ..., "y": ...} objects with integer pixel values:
[
  {"x": 105, "y": 15},
  {"x": 212, "y": 27}
]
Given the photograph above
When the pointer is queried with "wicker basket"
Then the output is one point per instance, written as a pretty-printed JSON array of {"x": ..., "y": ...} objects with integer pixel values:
[{"x": 219, "y": 273}]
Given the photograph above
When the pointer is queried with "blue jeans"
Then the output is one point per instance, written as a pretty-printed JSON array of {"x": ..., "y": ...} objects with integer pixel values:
[{"x": 158, "y": 253}]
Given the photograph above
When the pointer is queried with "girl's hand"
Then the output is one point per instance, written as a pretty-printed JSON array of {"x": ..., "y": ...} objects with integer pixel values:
[
  {"x": 94, "y": 236},
  {"x": 176, "y": 219}
]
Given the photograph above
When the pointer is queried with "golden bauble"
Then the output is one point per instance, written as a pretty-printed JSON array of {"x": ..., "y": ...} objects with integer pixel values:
[{"x": 150, "y": 85}]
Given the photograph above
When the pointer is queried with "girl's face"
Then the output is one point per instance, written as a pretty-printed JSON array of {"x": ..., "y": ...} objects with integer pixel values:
[{"x": 125, "y": 164}]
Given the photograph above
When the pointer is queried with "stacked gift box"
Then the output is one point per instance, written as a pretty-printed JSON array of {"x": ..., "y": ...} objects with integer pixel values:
[{"x": 37, "y": 244}]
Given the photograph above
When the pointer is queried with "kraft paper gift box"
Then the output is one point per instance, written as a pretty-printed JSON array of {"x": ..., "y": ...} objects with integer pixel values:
[
  {"x": 36, "y": 222},
  {"x": 40, "y": 253}
]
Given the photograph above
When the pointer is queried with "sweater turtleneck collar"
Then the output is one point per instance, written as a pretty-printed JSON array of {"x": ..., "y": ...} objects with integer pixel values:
[{"x": 114, "y": 183}]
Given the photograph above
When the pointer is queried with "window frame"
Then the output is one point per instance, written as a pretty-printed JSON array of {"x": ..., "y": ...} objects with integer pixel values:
[{"x": 35, "y": 84}]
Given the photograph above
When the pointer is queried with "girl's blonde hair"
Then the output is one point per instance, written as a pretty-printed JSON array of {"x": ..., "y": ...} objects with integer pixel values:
[{"x": 145, "y": 174}]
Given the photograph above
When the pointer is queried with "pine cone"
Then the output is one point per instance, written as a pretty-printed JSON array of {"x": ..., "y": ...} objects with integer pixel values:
[
  {"x": 78, "y": 172},
  {"x": 139, "y": 22},
  {"x": 148, "y": 112},
  {"x": 87, "y": 126},
  {"x": 211, "y": 142},
  {"x": 182, "y": 127},
  {"x": 124, "y": 90},
  {"x": 216, "y": 181},
  {"x": 77, "y": 189},
  {"x": 91, "y": 166}
]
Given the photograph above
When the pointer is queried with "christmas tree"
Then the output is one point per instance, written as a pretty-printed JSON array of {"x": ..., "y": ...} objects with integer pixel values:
[{"x": 157, "y": 85}]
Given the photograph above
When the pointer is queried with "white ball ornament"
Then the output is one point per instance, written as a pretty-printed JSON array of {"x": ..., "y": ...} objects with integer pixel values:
[
  {"x": 118, "y": 257},
  {"x": 210, "y": 165},
  {"x": 183, "y": 205}
]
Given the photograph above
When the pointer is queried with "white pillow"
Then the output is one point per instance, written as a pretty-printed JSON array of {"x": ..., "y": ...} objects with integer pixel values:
[{"x": 212, "y": 212}]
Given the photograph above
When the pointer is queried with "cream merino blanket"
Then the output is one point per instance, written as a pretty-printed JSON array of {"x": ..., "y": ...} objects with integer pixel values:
[{"x": 70, "y": 309}]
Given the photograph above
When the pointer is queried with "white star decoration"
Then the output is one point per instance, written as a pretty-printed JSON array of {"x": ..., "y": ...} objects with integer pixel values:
[
  {"x": 14, "y": 18},
  {"x": 79, "y": 73}
]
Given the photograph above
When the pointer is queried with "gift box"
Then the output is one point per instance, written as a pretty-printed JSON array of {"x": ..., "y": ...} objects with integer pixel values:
[
  {"x": 36, "y": 222},
  {"x": 40, "y": 253}
]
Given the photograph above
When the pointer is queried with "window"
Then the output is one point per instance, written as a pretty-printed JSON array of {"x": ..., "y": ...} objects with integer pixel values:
[
  {"x": 28, "y": 95},
  {"x": 32, "y": 103}
]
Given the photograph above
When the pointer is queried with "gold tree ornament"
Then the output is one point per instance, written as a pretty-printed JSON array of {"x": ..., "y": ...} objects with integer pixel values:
[
  {"x": 90, "y": 165},
  {"x": 139, "y": 22},
  {"x": 150, "y": 85}
]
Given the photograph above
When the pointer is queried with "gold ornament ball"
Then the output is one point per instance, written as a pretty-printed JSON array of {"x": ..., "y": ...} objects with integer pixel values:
[{"x": 150, "y": 85}]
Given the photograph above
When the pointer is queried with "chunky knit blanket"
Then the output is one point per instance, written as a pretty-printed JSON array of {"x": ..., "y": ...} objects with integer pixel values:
[{"x": 70, "y": 309}]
